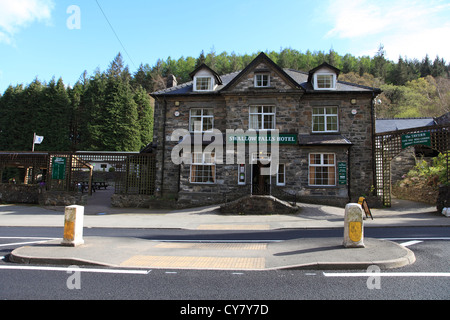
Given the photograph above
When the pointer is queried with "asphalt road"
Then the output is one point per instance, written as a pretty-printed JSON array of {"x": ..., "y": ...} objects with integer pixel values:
[{"x": 427, "y": 279}]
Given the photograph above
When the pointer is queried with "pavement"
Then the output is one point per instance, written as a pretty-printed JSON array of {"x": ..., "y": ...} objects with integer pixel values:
[{"x": 304, "y": 253}]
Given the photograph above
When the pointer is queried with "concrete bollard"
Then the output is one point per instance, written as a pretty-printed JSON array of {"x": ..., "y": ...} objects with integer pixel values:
[
  {"x": 446, "y": 212},
  {"x": 353, "y": 226},
  {"x": 73, "y": 226}
]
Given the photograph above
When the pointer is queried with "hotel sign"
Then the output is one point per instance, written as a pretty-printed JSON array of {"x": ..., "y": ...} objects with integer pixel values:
[
  {"x": 282, "y": 138},
  {"x": 416, "y": 138}
]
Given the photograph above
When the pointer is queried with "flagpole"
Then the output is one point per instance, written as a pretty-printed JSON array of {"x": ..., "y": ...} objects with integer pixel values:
[{"x": 34, "y": 139}]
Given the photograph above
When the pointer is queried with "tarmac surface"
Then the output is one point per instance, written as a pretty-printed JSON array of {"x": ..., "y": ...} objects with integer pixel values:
[{"x": 121, "y": 252}]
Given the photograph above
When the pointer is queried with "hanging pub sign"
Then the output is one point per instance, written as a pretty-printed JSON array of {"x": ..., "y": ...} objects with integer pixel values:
[
  {"x": 59, "y": 168},
  {"x": 413, "y": 139}
]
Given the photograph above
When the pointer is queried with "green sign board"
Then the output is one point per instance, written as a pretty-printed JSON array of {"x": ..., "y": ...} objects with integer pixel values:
[
  {"x": 342, "y": 173},
  {"x": 416, "y": 138},
  {"x": 283, "y": 138},
  {"x": 59, "y": 168}
]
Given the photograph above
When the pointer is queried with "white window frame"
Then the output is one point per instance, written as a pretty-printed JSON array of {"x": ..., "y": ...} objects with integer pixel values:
[
  {"x": 321, "y": 165},
  {"x": 326, "y": 119},
  {"x": 242, "y": 169},
  {"x": 261, "y": 80},
  {"x": 203, "y": 163},
  {"x": 263, "y": 115},
  {"x": 281, "y": 183},
  {"x": 326, "y": 74},
  {"x": 201, "y": 78},
  {"x": 194, "y": 118}
]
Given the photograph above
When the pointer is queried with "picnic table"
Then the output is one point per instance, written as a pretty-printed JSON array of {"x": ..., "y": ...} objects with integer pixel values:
[{"x": 84, "y": 185}]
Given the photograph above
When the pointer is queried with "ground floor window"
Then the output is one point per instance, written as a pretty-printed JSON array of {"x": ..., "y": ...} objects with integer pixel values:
[
  {"x": 322, "y": 169},
  {"x": 281, "y": 175},
  {"x": 203, "y": 168}
]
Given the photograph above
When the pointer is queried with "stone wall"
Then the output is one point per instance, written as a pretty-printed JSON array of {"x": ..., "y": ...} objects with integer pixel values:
[
  {"x": 62, "y": 198},
  {"x": 258, "y": 205},
  {"x": 20, "y": 193},
  {"x": 416, "y": 192},
  {"x": 443, "y": 200},
  {"x": 34, "y": 194},
  {"x": 131, "y": 201}
]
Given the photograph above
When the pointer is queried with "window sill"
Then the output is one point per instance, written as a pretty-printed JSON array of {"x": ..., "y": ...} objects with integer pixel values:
[{"x": 322, "y": 187}]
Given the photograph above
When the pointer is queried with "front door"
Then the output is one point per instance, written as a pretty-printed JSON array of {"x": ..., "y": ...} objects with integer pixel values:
[{"x": 260, "y": 182}]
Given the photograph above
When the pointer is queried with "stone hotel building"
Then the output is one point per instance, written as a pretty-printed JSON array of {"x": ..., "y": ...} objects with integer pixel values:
[{"x": 324, "y": 128}]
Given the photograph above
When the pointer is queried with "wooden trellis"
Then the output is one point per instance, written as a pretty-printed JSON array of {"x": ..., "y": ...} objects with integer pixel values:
[
  {"x": 134, "y": 173},
  {"x": 389, "y": 144}
]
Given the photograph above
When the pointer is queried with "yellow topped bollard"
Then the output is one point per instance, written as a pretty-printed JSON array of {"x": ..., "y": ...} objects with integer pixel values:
[
  {"x": 353, "y": 226},
  {"x": 73, "y": 226}
]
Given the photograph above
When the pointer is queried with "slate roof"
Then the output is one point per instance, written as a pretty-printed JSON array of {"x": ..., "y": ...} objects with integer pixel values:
[
  {"x": 299, "y": 77},
  {"x": 385, "y": 125}
]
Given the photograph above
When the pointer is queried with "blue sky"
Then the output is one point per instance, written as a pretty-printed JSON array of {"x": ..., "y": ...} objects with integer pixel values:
[{"x": 36, "y": 41}]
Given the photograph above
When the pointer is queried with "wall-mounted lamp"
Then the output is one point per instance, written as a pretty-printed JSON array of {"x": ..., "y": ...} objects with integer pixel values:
[{"x": 353, "y": 101}]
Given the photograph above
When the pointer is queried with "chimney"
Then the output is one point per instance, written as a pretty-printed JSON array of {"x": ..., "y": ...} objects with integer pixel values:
[{"x": 171, "y": 81}]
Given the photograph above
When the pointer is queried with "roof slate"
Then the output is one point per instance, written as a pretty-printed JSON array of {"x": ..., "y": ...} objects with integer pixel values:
[
  {"x": 386, "y": 125},
  {"x": 299, "y": 77}
]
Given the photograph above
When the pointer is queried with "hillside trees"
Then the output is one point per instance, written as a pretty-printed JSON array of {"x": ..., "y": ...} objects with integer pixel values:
[
  {"x": 112, "y": 110},
  {"x": 107, "y": 112}
]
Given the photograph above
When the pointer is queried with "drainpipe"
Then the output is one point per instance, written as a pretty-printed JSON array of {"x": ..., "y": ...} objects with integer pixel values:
[
  {"x": 374, "y": 168},
  {"x": 163, "y": 145},
  {"x": 349, "y": 175}
]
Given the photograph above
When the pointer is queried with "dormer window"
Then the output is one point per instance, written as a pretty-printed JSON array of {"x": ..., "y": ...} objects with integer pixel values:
[
  {"x": 203, "y": 83},
  {"x": 205, "y": 79},
  {"x": 324, "y": 77},
  {"x": 262, "y": 80},
  {"x": 325, "y": 81}
]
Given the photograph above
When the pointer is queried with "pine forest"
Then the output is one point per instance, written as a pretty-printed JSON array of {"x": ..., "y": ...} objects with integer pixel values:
[{"x": 112, "y": 110}]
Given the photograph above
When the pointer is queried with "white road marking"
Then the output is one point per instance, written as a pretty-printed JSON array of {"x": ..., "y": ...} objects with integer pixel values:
[
  {"x": 72, "y": 269},
  {"x": 21, "y": 243},
  {"x": 410, "y": 243},
  {"x": 29, "y": 238},
  {"x": 37, "y": 240},
  {"x": 435, "y": 238},
  {"x": 388, "y": 274}
]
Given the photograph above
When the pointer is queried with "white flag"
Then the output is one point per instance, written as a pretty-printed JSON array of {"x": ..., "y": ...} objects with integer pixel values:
[{"x": 38, "y": 139}]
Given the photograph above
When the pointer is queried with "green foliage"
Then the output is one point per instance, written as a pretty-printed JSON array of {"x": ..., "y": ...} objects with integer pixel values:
[
  {"x": 432, "y": 174},
  {"x": 108, "y": 111},
  {"x": 112, "y": 110}
]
